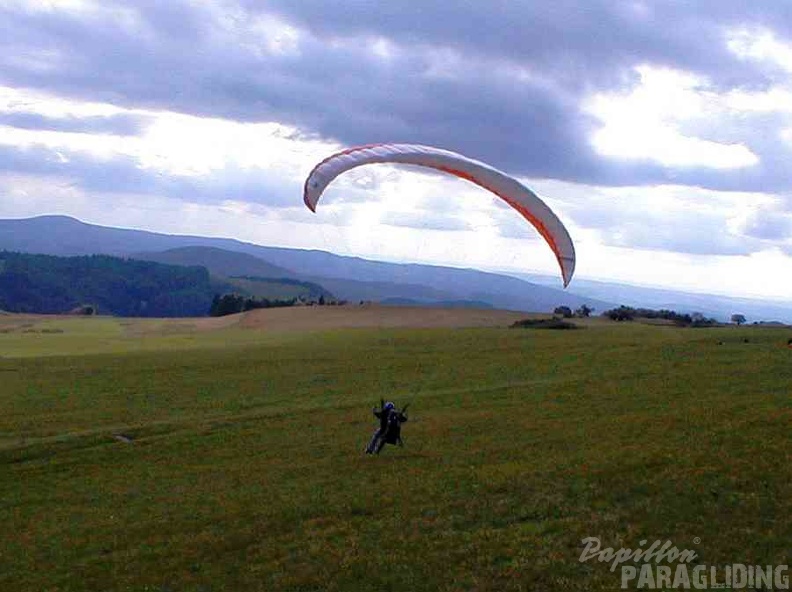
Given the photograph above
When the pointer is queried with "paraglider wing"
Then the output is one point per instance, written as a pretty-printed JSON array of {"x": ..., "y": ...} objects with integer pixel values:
[{"x": 514, "y": 193}]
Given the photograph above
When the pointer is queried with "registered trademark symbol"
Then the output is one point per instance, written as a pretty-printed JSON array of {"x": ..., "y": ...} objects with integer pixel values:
[{"x": 696, "y": 540}]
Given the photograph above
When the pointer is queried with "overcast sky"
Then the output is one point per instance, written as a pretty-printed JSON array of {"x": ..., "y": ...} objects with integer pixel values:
[{"x": 659, "y": 132}]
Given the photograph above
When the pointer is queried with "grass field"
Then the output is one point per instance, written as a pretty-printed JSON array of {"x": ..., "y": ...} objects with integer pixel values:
[{"x": 219, "y": 455}]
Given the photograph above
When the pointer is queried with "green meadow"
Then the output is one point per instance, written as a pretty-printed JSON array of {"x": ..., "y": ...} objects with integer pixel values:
[{"x": 140, "y": 456}]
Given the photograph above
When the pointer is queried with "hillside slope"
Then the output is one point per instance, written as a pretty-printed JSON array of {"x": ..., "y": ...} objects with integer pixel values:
[{"x": 219, "y": 262}]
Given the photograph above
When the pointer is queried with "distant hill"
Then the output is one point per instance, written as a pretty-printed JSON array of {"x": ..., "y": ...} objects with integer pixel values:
[
  {"x": 354, "y": 279},
  {"x": 64, "y": 236},
  {"x": 280, "y": 289},
  {"x": 436, "y": 303},
  {"x": 354, "y": 290},
  {"x": 246, "y": 274},
  {"x": 219, "y": 262},
  {"x": 346, "y": 277}
]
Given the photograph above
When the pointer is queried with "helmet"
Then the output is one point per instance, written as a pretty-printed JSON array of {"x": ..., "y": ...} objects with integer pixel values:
[{"x": 389, "y": 405}]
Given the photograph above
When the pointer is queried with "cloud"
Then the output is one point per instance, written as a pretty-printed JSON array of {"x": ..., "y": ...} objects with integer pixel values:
[
  {"x": 120, "y": 125},
  {"x": 121, "y": 174},
  {"x": 670, "y": 218},
  {"x": 769, "y": 224},
  {"x": 425, "y": 221},
  {"x": 501, "y": 82},
  {"x": 693, "y": 236}
]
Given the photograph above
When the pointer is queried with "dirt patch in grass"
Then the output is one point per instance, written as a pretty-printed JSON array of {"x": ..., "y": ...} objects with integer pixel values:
[
  {"x": 319, "y": 318},
  {"x": 140, "y": 327},
  {"x": 287, "y": 319}
]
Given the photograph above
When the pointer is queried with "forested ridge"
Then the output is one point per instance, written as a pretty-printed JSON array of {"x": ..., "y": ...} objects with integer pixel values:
[{"x": 104, "y": 284}]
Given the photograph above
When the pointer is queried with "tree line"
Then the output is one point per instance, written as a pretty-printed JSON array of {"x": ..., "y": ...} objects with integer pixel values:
[
  {"x": 628, "y": 313},
  {"x": 227, "y": 304}
]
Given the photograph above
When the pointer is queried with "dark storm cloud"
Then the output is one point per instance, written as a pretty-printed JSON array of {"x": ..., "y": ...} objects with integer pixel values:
[
  {"x": 511, "y": 96},
  {"x": 577, "y": 44}
]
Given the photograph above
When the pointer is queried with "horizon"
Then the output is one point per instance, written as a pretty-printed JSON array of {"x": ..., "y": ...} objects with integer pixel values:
[{"x": 544, "y": 279}]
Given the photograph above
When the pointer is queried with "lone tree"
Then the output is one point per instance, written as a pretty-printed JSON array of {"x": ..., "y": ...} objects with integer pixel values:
[
  {"x": 738, "y": 319},
  {"x": 584, "y": 311},
  {"x": 564, "y": 311}
]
